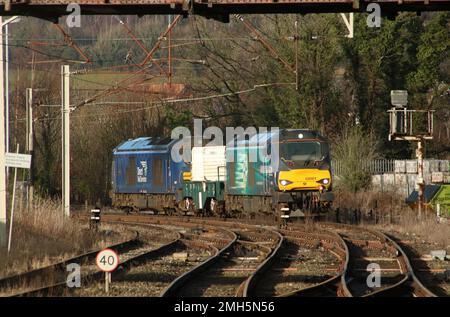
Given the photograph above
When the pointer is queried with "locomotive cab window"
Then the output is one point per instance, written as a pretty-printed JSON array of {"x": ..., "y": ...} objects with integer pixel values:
[
  {"x": 301, "y": 154},
  {"x": 326, "y": 153}
]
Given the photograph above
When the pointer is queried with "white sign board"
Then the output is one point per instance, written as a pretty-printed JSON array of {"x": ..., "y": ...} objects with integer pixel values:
[
  {"x": 107, "y": 260},
  {"x": 399, "y": 97},
  {"x": 18, "y": 160}
]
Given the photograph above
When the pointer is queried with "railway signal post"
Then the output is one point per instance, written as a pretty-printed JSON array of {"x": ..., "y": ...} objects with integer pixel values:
[{"x": 401, "y": 127}]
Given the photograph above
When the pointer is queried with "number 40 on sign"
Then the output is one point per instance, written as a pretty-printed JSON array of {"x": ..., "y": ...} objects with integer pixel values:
[{"x": 107, "y": 260}]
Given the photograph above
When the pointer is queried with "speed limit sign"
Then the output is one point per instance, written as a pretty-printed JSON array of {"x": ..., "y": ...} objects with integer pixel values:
[{"x": 107, "y": 260}]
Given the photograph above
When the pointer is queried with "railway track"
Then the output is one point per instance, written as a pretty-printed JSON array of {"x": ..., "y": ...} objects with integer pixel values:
[
  {"x": 430, "y": 272},
  {"x": 372, "y": 247},
  {"x": 251, "y": 238},
  {"x": 249, "y": 286},
  {"x": 323, "y": 284},
  {"x": 395, "y": 266},
  {"x": 196, "y": 246},
  {"x": 54, "y": 272},
  {"x": 230, "y": 223},
  {"x": 132, "y": 253},
  {"x": 367, "y": 249},
  {"x": 233, "y": 270},
  {"x": 410, "y": 286},
  {"x": 233, "y": 258},
  {"x": 305, "y": 260}
]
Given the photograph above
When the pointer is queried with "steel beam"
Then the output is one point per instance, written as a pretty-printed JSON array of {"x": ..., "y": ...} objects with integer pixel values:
[{"x": 220, "y": 9}]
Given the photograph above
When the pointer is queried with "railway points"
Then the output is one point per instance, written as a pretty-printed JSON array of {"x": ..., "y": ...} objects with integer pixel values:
[{"x": 229, "y": 258}]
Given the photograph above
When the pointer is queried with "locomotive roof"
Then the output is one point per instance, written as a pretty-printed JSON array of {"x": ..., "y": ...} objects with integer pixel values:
[
  {"x": 162, "y": 144},
  {"x": 283, "y": 134},
  {"x": 287, "y": 134},
  {"x": 146, "y": 144}
]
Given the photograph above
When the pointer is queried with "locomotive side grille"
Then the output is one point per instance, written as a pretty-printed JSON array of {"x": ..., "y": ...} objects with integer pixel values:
[
  {"x": 131, "y": 171},
  {"x": 157, "y": 172},
  {"x": 232, "y": 176}
]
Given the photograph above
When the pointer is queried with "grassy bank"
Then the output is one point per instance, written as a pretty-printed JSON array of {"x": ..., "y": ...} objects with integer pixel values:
[
  {"x": 388, "y": 211},
  {"x": 42, "y": 235}
]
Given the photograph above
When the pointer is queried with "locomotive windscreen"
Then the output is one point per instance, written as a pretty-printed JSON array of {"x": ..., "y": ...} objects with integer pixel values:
[{"x": 302, "y": 154}]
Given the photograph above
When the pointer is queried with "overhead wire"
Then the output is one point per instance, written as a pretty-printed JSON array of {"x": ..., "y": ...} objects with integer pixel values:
[
  {"x": 119, "y": 86},
  {"x": 164, "y": 102}
]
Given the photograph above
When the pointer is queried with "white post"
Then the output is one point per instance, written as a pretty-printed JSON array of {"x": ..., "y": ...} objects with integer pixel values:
[
  {"x": 296, "y": 54},
  {"x": 107, "y": 281},
  {"x": 30, "y": 145},
  {"x": 7, "y": 87},
  {"x": 65, "y": 139},
  {"x": 12, "y": 205},
  {"x": 3, "y": 233},
  {"x": 420, "y": 179},
  {"x": 10, "y": 20}
]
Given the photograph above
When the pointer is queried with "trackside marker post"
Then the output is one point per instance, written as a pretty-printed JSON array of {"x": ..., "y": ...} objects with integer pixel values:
[
  {"x": 107, "y": 261},
  {"x": 65, "y": 73},
  {"x": 12, "y": 204}
]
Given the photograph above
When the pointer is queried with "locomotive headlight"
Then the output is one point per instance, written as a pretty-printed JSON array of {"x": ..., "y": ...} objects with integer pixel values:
[
  {"x": 284, "y": 182},
  {"x": 324, "y": 181}
]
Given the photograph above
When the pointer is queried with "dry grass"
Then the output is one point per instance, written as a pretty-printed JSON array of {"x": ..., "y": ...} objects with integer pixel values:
[
  {"x": 426, "y": 230},
  {"x": 46, "y": 219},
  {"x": 387, "y": 211},
  {"x": 370, "y": 207},
  {"x": 42, "y": 236},
  {"x": 366, "y": 200}
]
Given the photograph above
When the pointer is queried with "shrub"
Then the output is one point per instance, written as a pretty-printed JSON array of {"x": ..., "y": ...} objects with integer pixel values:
[{"x": 353, "y": 149}]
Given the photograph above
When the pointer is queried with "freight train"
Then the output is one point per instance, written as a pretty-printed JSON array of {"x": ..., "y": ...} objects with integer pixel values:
[{"x": 226, "y": 180}]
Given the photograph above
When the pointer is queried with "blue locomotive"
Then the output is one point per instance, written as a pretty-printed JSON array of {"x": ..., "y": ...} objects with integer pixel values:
[{"x": 145, "y": 177}]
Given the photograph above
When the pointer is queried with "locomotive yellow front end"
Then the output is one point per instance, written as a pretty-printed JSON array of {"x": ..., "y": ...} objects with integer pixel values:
[{"x": 304, "y": 180}]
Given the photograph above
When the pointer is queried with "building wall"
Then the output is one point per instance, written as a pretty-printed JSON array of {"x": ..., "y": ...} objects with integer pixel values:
[
  {"x": 404, "y": 177},
  {"x": 398, "y": 175}
]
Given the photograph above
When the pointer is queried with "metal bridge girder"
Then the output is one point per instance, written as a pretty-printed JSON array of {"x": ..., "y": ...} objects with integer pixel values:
[{"x": 220, "y": 9}]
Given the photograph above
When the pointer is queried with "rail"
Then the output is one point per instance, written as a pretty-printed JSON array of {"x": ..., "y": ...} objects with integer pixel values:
[
  {"x": 179, "y": 282},
  {"x": 28, "y": 277},
  {"x": 408, "y": 285},
  {"x": 334, "y": 286},
  {"x": 252, "y": 280},
  {"x": 60, "y": 287}
]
